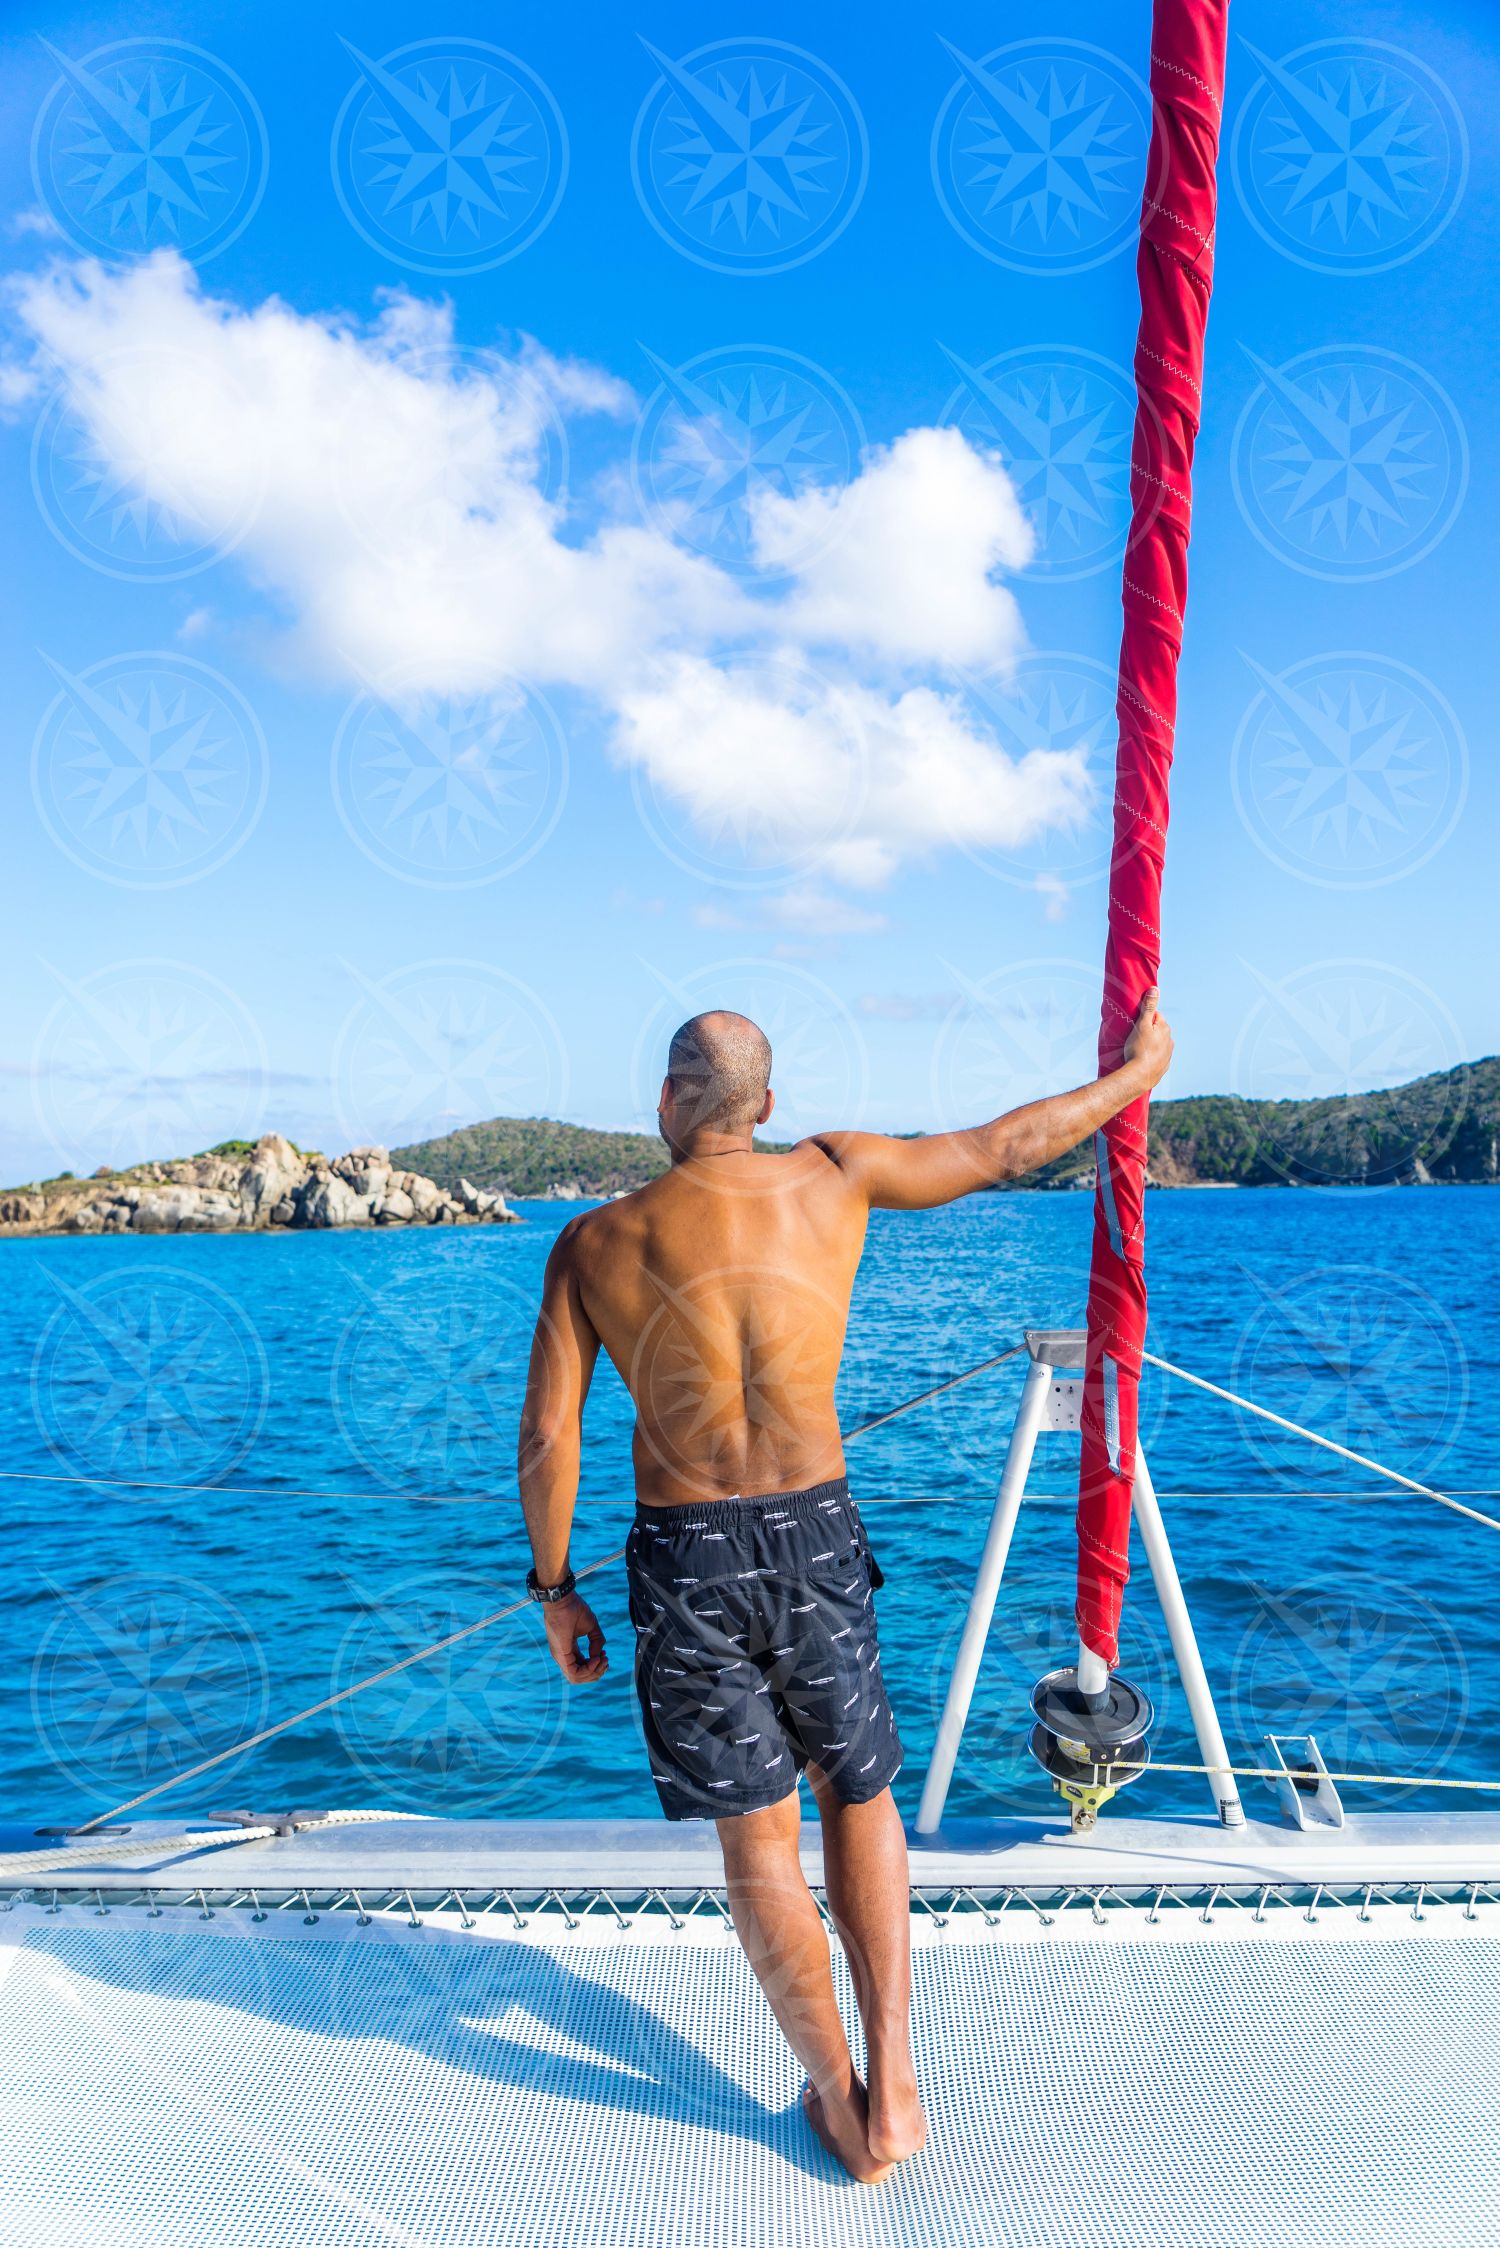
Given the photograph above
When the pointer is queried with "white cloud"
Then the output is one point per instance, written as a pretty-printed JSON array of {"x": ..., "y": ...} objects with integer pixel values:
[
  {"x": 903, "y": 559},
  {"x": 781, "y": 763},
  {"x": 35, "y": 219},
  {"x": 821, "y": 915},
  {"x": 1055, "y": 894},
  {"x": 19, "y": 386},
  {"x": 388, "y": 495}
]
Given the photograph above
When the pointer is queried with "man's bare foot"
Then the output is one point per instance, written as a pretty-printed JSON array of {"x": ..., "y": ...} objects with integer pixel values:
[
  {"x": 897, "y": 2127},
  {"x": 842, "y": 2130}
]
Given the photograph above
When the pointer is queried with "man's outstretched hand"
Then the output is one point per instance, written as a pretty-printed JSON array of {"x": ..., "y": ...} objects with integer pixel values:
[
  {"x": 571, "y": 1624},
  {"x": 1149, "y": 1045}
]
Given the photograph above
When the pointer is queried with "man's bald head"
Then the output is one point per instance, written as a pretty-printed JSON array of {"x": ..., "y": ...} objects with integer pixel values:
[{"x": 718, "y": 1068}]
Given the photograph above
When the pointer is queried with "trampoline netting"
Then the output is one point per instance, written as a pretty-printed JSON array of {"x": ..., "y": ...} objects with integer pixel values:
[{"x": 1187, "y": 2086}]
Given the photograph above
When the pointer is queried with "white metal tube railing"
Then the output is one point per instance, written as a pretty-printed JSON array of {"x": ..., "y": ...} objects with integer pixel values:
[{"x": 982, "y": 1599}]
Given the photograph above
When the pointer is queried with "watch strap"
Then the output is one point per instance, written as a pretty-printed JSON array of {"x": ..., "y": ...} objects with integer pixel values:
[{"x": 562, "y": 1590}]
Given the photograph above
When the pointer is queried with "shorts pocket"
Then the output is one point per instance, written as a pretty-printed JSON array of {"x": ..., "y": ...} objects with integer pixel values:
[
  {"x": 638, "y": 1613},
  {"x": 850, "y": 1556}
]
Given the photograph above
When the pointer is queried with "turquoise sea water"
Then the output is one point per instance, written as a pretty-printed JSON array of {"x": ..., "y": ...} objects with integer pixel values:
[{"x": 359, "y": 1394}]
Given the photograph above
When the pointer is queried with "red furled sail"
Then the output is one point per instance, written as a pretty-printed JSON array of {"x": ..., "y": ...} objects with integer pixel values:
[{"x": 1175, "y": 270}]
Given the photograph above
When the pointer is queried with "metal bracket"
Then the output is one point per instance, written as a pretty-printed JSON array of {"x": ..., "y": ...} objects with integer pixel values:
[
  {"x": 1063, "y": 1409},
  {"x": 1056, "y": 1346},
  {"x": 281, "y": 1822},
  {"x": 1307, "y": 1795}
]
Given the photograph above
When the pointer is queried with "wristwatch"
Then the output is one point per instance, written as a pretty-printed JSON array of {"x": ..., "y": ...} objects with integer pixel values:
[{"x": 561, "y": 1591}]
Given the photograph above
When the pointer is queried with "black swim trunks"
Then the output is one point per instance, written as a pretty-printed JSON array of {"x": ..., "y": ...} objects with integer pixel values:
[{"x": 756, "y": 1650}]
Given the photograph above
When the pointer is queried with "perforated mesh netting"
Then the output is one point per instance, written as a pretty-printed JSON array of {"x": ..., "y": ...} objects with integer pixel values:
[{"x": 172, "y": 2085}]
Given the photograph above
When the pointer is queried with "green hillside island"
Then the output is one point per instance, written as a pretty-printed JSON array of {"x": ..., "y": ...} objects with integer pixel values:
[{"x": 1443, "y": 1129}]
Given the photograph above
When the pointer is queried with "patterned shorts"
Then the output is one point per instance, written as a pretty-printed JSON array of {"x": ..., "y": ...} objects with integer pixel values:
[{"x": 756, "y": 1651}]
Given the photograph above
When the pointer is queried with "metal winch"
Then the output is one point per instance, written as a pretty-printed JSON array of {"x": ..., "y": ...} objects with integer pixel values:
[{"x": 1090, "y": 1744}]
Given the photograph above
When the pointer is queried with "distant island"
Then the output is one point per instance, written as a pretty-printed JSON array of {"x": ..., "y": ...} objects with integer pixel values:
[
  {"x": 271, "y": 1185},
  {"x": 1443, "y": 1129},
  {"x": 545, "y": 1161},
  {"x": 1436, "y": 1131}
]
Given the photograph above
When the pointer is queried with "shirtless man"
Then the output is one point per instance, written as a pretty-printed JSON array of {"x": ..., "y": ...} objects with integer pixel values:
[{"x": 721, "y": 1293}]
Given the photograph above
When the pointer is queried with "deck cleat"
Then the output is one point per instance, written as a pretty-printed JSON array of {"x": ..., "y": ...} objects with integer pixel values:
[{"x": 1089, "y": 1744}]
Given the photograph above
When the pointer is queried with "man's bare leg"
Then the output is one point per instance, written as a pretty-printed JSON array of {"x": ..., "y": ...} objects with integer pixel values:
[
  {"x": 869, "y": 1896},
  {"x": 786, "y": 1943}
]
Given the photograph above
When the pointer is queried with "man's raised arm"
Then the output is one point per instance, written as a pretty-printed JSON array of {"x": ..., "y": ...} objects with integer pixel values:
[
  {"x": 563, "y": 1353},
  {"x": 921, "y": 1174}
]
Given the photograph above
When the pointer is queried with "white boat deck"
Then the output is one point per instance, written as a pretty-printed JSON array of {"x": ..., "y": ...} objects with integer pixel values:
[
  {"x": 290, "y": 2069},
  {"x": 628, "y": 1855}
]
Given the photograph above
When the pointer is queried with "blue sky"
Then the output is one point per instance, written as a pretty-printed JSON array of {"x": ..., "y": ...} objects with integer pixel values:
[{"x": 451, "y": 817}]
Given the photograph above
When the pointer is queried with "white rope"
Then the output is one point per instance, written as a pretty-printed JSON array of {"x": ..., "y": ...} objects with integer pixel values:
[
  {"x": 1325, "y": 1443},
  {"x": 61, "y": 1860}
]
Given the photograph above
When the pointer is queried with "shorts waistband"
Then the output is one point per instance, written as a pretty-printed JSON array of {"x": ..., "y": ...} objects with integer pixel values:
[{"x": 739, "y": 1509}]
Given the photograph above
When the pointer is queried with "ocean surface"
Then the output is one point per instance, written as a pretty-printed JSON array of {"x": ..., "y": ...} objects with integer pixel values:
[{"x": 354, "y": 1399}]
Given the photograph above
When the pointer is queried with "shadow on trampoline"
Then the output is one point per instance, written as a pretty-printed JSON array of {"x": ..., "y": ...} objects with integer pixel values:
[{"x": 507, "y": 2012}]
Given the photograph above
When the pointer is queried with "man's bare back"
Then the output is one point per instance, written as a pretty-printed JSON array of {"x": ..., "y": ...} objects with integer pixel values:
[{"x": 720, "y": 1293}]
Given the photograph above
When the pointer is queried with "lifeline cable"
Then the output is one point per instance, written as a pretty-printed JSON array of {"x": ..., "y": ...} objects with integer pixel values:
[
  {"x": 1362, "y": 1459},
  {"x": 861, "y": 1428},
  {"x": 454, "y": 1498},
  {"x": 467, "y": 1631}
]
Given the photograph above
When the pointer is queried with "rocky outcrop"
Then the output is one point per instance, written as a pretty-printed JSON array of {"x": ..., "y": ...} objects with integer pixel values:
[
  {"x": 271, "y": 1187},
  {"x": 270, "y": 1179},
  {"x": 480, "y": 1201}
]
